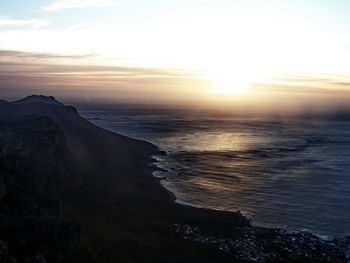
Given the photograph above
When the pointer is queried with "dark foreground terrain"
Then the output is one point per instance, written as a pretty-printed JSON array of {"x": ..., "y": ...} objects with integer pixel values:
[{"x": 73, "y": 192}]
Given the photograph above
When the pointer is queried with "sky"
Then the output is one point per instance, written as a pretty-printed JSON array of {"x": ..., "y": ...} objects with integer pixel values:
[{"x": 209, "y": 52}]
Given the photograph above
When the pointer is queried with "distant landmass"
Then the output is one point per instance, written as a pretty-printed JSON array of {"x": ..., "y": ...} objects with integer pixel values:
[
  {"x": 74, "y": 192},
  {"x": 39, "y": 99}
]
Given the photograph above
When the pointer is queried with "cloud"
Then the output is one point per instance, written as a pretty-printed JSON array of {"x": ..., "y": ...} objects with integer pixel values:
[
  {"x": 9, "y": 22},
  {"x": 39, "y": 57},
  {"x": 65, "y": 4},
  {"x": 75, "y": 76},
  {"x": 84, "y": 64},
  {"x": 87, "y": 76}
]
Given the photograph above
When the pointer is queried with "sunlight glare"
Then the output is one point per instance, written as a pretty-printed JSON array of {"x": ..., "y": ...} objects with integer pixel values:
[
  {"x": 231, "y": 88},
  {"x": 230, "y": 80}
]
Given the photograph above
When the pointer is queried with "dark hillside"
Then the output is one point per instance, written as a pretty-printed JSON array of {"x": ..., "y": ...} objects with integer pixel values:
[{"x": 71, "y": 190}]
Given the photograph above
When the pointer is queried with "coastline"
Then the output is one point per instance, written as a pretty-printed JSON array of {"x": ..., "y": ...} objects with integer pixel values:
[
  {"x": 174, "y": 198},
  {"x": 106, "y": 186},
  {"x": 302, "y": 241},
  {"x": 263, "y": 243},
  {"x": 172, "y": 193},
  {"x": 270, "y": 180}
]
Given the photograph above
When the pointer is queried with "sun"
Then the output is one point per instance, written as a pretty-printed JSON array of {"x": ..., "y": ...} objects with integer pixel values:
[
  {"x": 227, "y": 82},
  {"x": 232, "y": 87}
]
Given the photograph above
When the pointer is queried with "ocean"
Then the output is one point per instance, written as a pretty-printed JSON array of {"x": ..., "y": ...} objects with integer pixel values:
[{"x": 292, "y": 173}]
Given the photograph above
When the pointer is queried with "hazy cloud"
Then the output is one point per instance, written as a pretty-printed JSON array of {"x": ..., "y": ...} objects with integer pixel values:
[
  {"x": 23, "y": 73},
  {"x": 82, "y": 64},
  {"x": 13, "y": 54},
  {"x": 10, "y": 22},
  {"x": 65, "y": 4}
]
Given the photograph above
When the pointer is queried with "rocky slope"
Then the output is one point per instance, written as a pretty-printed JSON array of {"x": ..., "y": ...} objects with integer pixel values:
[
  {"x": 73, "y": 192},
  {"x": 31, "y": 174}
]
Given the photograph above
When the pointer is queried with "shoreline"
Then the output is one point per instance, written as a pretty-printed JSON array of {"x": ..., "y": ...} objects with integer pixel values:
[
  {"x": 105, "y": 185},
  {"x": 293, "y": 241},
  {"x": 271, "y": 191},
  {"x": 153, "y": 163},
  {"x": 174, "y": 198},
  {"x": 214, "y": 227}
]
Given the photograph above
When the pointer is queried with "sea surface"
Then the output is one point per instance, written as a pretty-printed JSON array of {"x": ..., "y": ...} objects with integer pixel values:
[{"x": 277, "y": 172}]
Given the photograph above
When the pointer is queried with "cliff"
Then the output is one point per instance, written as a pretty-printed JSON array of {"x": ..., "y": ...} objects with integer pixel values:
[
  {"x": 73, "y": 192},
  {"x": 31, "y": 173}
]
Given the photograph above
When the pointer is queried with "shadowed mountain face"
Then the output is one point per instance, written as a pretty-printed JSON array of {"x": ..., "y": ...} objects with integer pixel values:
[
  {"x": 73, "y": 192},
  {"x": 31, "y": 175}
]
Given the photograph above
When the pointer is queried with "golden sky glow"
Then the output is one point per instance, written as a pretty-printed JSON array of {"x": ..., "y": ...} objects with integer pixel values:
[{"x": 209, "y": 50}]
